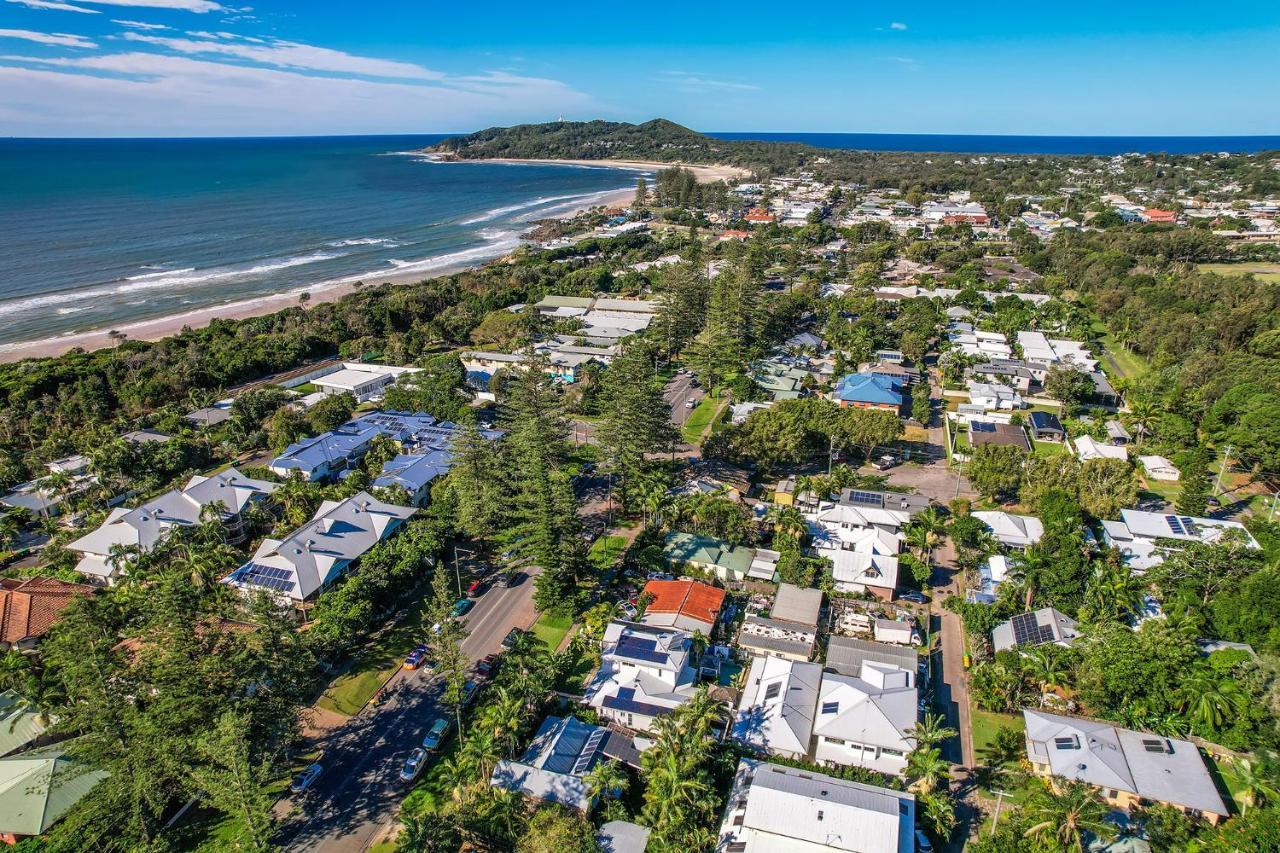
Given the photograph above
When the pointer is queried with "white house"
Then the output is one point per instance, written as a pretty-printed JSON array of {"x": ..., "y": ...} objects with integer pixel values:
[
  {"x": 787, "y": 810},
  {"x": 1145, "y": 538},
  {"x": 994, "y": 396},
  {"x": 361, "y": 380},
  {"x": 1087, "y": 448},
  {"x": 645, "y": 671},
  {"x": 1160, "y": 468},
  {"x": 865, "y": 720},
  {"x": 316, "y": 554},
  {"x": 1012, "y": 531},
  {"x": 775, "y": 714},
  {"x": 228, "y": 493}
]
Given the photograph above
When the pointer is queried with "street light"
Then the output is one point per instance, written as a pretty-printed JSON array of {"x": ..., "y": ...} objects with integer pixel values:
[{"x": 456, "y": 572}]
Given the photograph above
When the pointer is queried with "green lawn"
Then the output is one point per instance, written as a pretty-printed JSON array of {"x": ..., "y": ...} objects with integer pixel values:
[
  {"x": 1048, "y": 448},
  {"x": 1168, "y": 491},
  {"x": 699, "y": 419},
  {"x": 305, "y": 388},
  {"x": 349, "y": 692},
  {"x": 1269, "y": 272},
  {"x": 987, "y": 723},
  {"x": 606, "y": 550},
  {"x": 1227, "y": 773},
  {"x": 1127, "y": 362},
  {"x": 551, "y": 628}
]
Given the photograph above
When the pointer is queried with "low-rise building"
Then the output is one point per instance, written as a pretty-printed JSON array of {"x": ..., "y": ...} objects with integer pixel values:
[
  {"x": 1004, "y": 435},
  {"x": 360, "y": 379},
  {"x": 727, "y": 561},
  {"x": 773, "y": 808},
  {"x": 1129, "y": 768},
  {"x": 687, "y": 605},
  {"x": 1146, "y": 538},
  {"x": 993, "y": 396},
  {"x": 30, "y": 606},
  {"x": 1038, "y": 628},
  {"x": 775, "y": 713},
  {"x": 1012, "y": 531},
  {"x": 790, "y": 631},
  {"x": 865, "y": 720},
  {"x": 1160, "y": 468},
  {"x": 846, "y": 655},
  {"x": 1046, "y": 427},
  {"x": 869, "y": 391},
  {"x": 554, "y": 767},
  {"x": 1087, "y": 448},
  {"x": 645, "y": 672}
]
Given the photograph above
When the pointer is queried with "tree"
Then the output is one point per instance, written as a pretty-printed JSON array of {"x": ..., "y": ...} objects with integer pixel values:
[
  {"x": 642, "y": 194},
  {"x": 931, "y": 731},
  {"x": 606, "y": 781},
  {"x": 926, "y": 532},
  {"x": 1210, "y": 698},
  {"x": 1065, "y": 813},
  {"x": 1068, "y": 386},
  {"x": 920, "y": 402},
  {"x": 446, "y": 644},
  {"x": 995, "y": 470},
  {"x": 1105, "y": 486},
  {"x": 429, "y": 832},
  {"x": 866, "y": 429},
  {"x": 636, "y": 420},
  {"x": 1257, "y": 779},
  {"x": 1048, "y": 666},
  {"x": 234, "y": 782},
  {"x": 928, "y": 768},
  {"x": 556, "y": 829}
]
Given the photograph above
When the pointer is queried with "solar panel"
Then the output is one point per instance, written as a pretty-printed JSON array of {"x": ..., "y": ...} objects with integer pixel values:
[
  {"x": 982, "y": 426},
  {"x": 1028, "y": 632},
  {"x": 638, "y": 649},
  {"x": 267, "y": 577},
  {"x": 866, "y": 498},
  {"x": 1175, "y": 524}
]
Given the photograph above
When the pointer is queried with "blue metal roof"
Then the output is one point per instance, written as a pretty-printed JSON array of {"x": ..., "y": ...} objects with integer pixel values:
[{"x": 870, "y": 388}]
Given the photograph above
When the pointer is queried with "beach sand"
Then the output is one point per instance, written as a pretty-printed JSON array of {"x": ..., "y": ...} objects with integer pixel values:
[
  {"x": 704, "y": 174},
  {"x": 322, "y": 292}
]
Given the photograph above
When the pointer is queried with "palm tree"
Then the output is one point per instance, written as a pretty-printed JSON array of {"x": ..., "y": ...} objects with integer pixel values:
[
  {"x": 788, "y": 521},
  {"x": 929, "y": 769},
  {"x": 9, "y": 529},
  {"x": 1257, "y": 779},
  {"x": 927, "y": 532},
  {"x": 1114, "y": 588},
  {"x": 1209, "y": 698},
  {"x": 607, "y": 780},
  {"x": 1142, "y": 417},
  {"x": 1067, "y": 814},
  {"x": 1031, "y": 569},
  {"x": 506, "y": 715},
  {"x": 1049, "y": 668},
  {"x": 480, "y": 753},
  {"x": 931, "y": 731}
]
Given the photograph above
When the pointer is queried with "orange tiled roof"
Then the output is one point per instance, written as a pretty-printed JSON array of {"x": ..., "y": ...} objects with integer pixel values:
[
  {"x": 30, "y": 606},
  {"x": 689, "y": 598}
]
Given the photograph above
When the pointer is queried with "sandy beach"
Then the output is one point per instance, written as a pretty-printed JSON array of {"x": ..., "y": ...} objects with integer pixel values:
[
  {"x": 704, "y": 174},
  {"x": 162, "y": 327}
]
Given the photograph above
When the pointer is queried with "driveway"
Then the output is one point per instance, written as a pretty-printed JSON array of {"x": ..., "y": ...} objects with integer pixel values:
[{"x": 932, "y": 479}]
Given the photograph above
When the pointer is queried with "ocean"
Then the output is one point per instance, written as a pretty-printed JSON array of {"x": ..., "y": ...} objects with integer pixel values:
[
  {"x": 976, "y": 144},
  {"x": 101, "y": 233}
]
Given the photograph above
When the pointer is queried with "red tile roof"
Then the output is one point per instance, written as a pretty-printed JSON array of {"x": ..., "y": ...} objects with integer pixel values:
[
  {"x": 1156, "y": 215},
  {"x": 689, "y": 598},
  {"x": 30, "y": 606}
]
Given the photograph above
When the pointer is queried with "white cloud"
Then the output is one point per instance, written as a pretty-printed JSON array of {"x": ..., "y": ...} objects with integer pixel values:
[
  {"x": 139, "y": 25},
  {"x": 55, "y": 5},
  {"x": 284, "y": 54},
  {"x": 896, "y": 25},
  {"x": 150, "y": 94},
  {"x": 694, "y": 82},
  {"x": 59, "y": 39},
  {"x": 198, "y": 6}
]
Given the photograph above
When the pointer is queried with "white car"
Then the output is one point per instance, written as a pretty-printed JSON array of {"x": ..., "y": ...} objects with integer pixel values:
[
  {"x": 413, "y": 765},
  {"x": 304, "y": 780}
]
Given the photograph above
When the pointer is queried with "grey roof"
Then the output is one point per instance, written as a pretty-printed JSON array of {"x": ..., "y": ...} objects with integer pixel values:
[
  {"x": 1167, "y": 770},
  {"x": 885, "y": 500},
  {"x": 845, "y": 655},
  {"x": 775, "y": 713},
  {"x": 796, "y": 604},
  {"x": 620, "y": 836},
  {"x": 1045, "y": 421},
  {"x": 1042, "y": 626},
  {"x": 551, "y": 769},
  {"x": 209, "y": 416}
]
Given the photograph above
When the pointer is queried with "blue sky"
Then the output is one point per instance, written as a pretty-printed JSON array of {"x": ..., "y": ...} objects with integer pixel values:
[{"x": 245, "y": 67}]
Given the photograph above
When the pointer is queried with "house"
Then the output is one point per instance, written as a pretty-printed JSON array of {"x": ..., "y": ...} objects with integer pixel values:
[
  {"x": 739, "y": 412},
  {"x": 1009, "y": 372},
  {"x": 228, "y": 493},
  {"x": 1039, "y": 628},
  {"x": 1087, "y": 448},
  {"x": 415, "y": 473},
  {"x": 790, "y": 631},
  {"x": 38, "y": 787},
  {"x": 775, "y": 713},
  {"x": 1046, "y": 427},
  {"x": 774, "y": 808},
  {"x": 645, "y": 672},
  {"x": 312, "y": 557},
  {"x": 805, "y": 340},
  {"x": 30, "y": 606},
  {"x": 1160, "y": 468},
  {"x": 145, "y": 436},
  {"x": 1129, "y": 768},
  {"x": 869, "y": 391},
  {"x": 759, "y": 216},
  {"x": 846, "y": 655},
  {"x": 22, "y": 724},
  {"x": 1155, "y": 214},
  {"x": 866, "y": 720},
  {"x": 1005, "y": 435},
  {"x": 359, "y": 379},
  {"x": 1117, "y": 434},
  {"x": 993, "y": 396},
  {"x": 329, "y": 454},
  {"x": 1144, "y": 538},
  {"x": 893, "y": 631},
  {"x": 39, "y": 497},
  {"x": 784, "y": 493},
  {"x": 1040, "y": 351},
  {"x": 736, "y": 481},
  {"x": 725, "y": 560},
  {"x": 687, "y": 605},
  {"x": 553, "y": 768},
  {"x": 210, "y": 415},
  {"x": 991, "y": 574},
  {"x": 1012, "y": 531},
  {"x": 896, "y": 371},
  {"x": 622, "y": 836}
]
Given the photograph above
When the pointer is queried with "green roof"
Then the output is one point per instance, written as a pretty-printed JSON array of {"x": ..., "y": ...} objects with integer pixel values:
[
  {"x": 39, "y": 787},
  {"x": 704, "y": 550},
  {"x": 20, "y": 724},
  {"x": 566, "y": 302}
]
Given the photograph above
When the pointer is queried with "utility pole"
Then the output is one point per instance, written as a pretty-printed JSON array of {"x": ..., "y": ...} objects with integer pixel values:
[
  {"x": 457, "y": 574},
  {"x": 1000, "y": 795},
  {"x": 1222, "y": 471}
]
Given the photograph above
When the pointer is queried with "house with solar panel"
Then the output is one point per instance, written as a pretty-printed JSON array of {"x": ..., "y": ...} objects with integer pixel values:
[
  {"x": 1146, "y": 538},
  {"x": 776, "y": 808},
  {"x": 553, "y": 768},
  {"x": 861, "y": 534},
  {"x": 1129, "y": 768},
  {"x": 646, "y": 671},
  {"x": 315, "y": 555},
  {"x": 1038, "y": 628},
  {"x": 228, "y": 493}
]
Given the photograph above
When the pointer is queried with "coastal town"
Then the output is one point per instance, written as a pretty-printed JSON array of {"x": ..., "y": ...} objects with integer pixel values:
[{"x": 776, "y": 508}]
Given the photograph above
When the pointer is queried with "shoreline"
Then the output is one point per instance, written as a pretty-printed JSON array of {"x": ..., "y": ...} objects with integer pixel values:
[
  {"x": 322, "y": 292},
  {"x": 705, "y": 174}
]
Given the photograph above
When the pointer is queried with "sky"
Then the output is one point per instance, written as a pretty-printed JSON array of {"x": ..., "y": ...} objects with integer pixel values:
[{"x": 92, "y": 68}]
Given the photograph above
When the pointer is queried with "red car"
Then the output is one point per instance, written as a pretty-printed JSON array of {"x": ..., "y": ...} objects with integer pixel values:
[{"x": 486, "y": 666}]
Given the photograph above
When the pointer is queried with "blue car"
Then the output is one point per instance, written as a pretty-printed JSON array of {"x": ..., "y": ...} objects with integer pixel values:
[
  {"x": 436, "y": 734},
  {"x": 461, "y": 606}
]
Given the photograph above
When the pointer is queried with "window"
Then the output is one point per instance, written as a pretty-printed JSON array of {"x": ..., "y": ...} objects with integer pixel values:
[
  {"x": 835, "y": 740},
  {"x": 1112, "y": 794},
  {"x": 830, "y": 707},
  {"x": 888, "y": 751},
  {"x": 1068, "y": 742},
  {"x": 738, "y": 819},
  {"x": 772, "y": 691}
]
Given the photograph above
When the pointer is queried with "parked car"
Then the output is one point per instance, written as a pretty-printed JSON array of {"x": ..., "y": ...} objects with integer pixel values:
[
  {"x": 476, "y": 587},
  {"x": 416, "y": 657},
  {"x": 486, "y": 665},
  {"x": 437, "y": 734},
  {"x": 689, "y": 404},
  {"x": 884, "y": 463},
  {"x": 923, "y": 844},
  {"x": 469, "y": 691},
  {"x": 628, "y": 610},
  {"x": 506, "y": 579},
  {"x": 461, "y": 606},
  {"x": 413, "y": 765},
  {"x": 914, "y": 597},
  {"x": 304, "y": 780},
  {"x": 509, "y": 641}
]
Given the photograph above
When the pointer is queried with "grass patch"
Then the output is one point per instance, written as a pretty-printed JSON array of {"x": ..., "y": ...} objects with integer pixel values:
[
  {"x": 1227, "y": 773},
  {"x": 1261, "y": 270},
  {"x": 987, "y": 723},
  {"x": 606, "y": 550},
  {"x": 699, "y": 419},
  {"x": 305, "y": 388},
  {"x": 1048, "y": 448},
  {"x": 1165, "y": 489},
  {"x": 349, "y": 692},
  {"x": 551, "y": 628},
  {"x": 1127, "y": 362}
]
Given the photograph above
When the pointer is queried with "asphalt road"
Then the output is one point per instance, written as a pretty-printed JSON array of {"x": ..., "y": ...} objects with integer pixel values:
[
  {"x": 677, "y": 393},
  {"x": 357, "y": 797}
]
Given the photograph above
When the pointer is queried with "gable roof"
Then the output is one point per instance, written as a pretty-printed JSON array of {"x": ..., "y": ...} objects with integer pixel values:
[
  {"x": 39, "y": 787},
  {"x": 878, "y": 706},
  {"x": 690, "y": 599},
  {"x": 983, "y": 432},
  {"x": 1011, "y": 529},
  {"x": 775, "y": 713},
  {"x": 1045, "y": 421},
  {"x": 846, "y": 655},
  {"x": 705, "y": 550},
  {"x": 552, "y": 768},
  {"x": 21, "y": 724},
  {"x": 797, "y": 604},
  {"x": 30, "y": 606}
]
